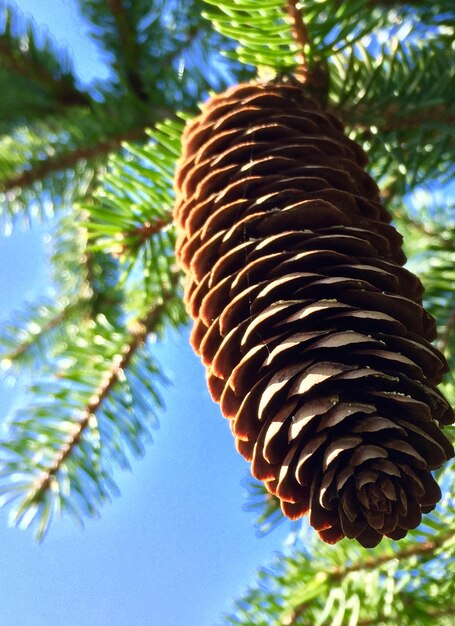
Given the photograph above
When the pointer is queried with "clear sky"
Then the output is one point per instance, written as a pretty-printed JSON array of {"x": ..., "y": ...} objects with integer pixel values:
[{"x": 175, "y": 548}]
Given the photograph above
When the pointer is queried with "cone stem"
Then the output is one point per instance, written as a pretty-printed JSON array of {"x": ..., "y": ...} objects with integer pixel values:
[{"x": 299, "y": 31}]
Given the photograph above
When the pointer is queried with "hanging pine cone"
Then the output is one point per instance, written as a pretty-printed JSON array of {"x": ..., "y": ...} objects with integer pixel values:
[{"x": 313, "y": 334}]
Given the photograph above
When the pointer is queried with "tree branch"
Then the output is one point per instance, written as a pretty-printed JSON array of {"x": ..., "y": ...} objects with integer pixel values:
[
  {"x": 447, "y": 334},
  {"x": 390, "y": 4},
  {"x": 119, "y": 364},
  {"x": 129, "y": 48},
  {"x": 424, "y": 549},
  {"x": 310, "y": 71},
  {"x": 47, "y": 328},
  {"x": 383, "y": 619},
  {"x": 420, "y": 549},
  {"x": 392, "y": 118},
  {"x": 300, "y": 34},
  {"x": 146, "y": 231},
  {"x": 21, "y": 64},
  {"x": 40, "y": 171}
]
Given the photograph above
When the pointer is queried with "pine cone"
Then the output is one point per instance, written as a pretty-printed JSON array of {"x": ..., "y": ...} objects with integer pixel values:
[{"x": 313, "y": 334}]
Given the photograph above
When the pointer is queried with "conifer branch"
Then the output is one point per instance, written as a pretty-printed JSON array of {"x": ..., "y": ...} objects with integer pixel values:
[
  {"x": 129, "y": 48},
  {"x": 392, "y": 118},
  {"x": 192, "y": 33},
  {"x": 22, "y": 64},
  {"x": 447, "y": 334},
  {"x": 143, "y": 328},
  {"x": 300, "y": 34},
  {"x": 309, "y": 71},
  {"x": 51, "y": 324},
  {"x": 390, "y": 4},
  {"x": 147, "y": 230},
  {"x": 384, "y": 619},
  {"x": 424, "y": 549},
  {"x": 420, "y": 549},
  {"x": 40, "y": 171}
]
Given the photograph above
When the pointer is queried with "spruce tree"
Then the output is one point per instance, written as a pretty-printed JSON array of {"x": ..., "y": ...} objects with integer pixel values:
[{"x": 99, "y": 165}]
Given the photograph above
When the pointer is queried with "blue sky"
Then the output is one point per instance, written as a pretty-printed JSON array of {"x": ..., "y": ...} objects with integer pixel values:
[{"x": 176, "y": 547}]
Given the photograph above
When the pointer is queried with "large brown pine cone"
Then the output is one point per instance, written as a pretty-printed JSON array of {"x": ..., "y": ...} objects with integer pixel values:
[{"x": 313, "y": 334}]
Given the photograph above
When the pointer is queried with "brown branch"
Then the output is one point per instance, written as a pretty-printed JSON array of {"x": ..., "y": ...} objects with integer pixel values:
[
  {"x": 139, "y": 235},
  {"x": 310, "y": 71},
  {"x": 119, "y": 364},
  {"x": 47, "y": 328},
  {"x": 300, "y": 34},
  {"x": 390, "y": 4},
  {"x": 64, "y": 91},
  {"x": 420, "y": 549},
  {"x": 136, "y": 237},
  {"x": 147, "y": 230},
  {"x": 447, "y": 334},
  {"x": 426, "y": 548},
  {"x": 42, "y": 170},
  {"x": 129, "y": 48},
  {"x": 430, "y": 612},
  {"x": 170, "y": 57},
  {"x": 392, "y": 118}
]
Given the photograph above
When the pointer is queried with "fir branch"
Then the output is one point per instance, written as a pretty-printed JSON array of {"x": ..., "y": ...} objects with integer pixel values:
[
  {"x": 129, "y": 47},
  {"x": 37, "y": 78},
  {"x": 132, "y": 213},
  {"x": 51, "y": 324},
  {"x": 143, "y": 328},
  {"x": 445, "y": 337},
  {"x": 192, "y": 33},
  {"x": 424, "y": 549},
  {"x": 22, "y": 64},
  {"x": 394, "y": 117},
  {"x": 390, "y": 4},
  {"x": 147, "y": 230},
  {"x": 26, "y": 345},
  {"x": 40, "y": 171},
  {"x": 434, "y": 614},
  {"x": 421, "y": 549},
  {"x": 300, "y": 34}
]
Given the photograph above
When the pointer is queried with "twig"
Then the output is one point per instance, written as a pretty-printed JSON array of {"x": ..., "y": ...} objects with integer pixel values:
[
  {"x": 47, "y": 328},
  {"x": 139, "y": 235},
  {"x": 391, "y": 4},
  {"x": 147, "y": 230},
  {"x": 421, "y": 549},
  {"x": 170, "y": 57},
  {"x": 42, "y": 170},
  {"x": 300, "y": 33},
  {"x": 313, "y": 73},
  {"x": 129, "y": 48},
  {"x": 120, "y": 363},
  {"x": 17, "y": 62},
  {"x": 383, "y": 619},
  {"x": 392, "y": 118},
  {"x": 336, "y": 574},
  {"x": 448, "y": 330}
]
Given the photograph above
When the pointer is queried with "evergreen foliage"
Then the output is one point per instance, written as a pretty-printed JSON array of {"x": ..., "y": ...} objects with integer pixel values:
[{"x": 98, "y": 162}]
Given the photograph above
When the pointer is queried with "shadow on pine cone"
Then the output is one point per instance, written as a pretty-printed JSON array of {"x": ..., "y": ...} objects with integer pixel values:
[{"x": 313, "y": 334}]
